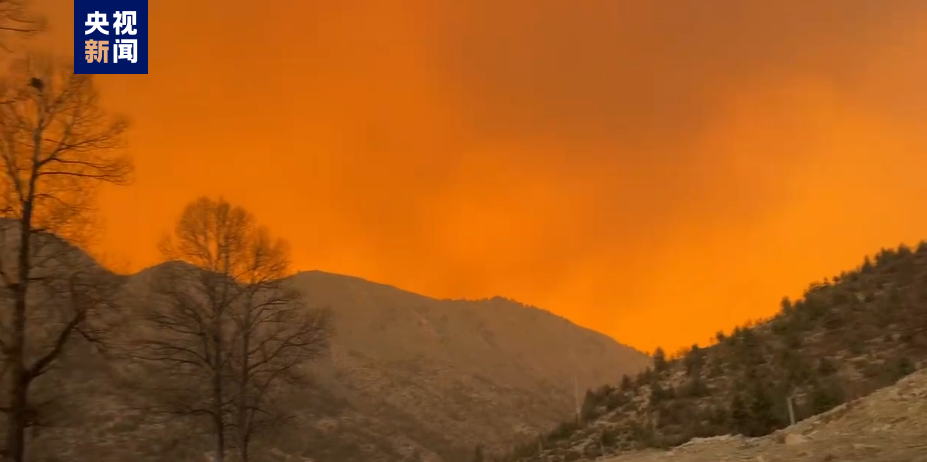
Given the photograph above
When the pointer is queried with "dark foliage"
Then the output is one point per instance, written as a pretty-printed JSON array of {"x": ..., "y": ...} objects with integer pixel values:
[{"x": 846, "y": 337}]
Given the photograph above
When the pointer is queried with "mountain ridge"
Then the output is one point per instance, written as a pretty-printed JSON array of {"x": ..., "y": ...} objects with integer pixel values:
[
  {"x": 506, "y": 302},
  {"x": 408, "y": 377},
  {"x": 845, "y": 337}
]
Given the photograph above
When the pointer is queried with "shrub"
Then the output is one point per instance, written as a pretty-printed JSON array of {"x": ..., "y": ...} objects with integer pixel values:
[{"x": 659, "y": 360}]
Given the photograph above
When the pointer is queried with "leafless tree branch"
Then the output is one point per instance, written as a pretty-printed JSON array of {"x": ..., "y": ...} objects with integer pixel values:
[
  {"x": 225, "y": 322},
  {"x": 56, "y": 145}
]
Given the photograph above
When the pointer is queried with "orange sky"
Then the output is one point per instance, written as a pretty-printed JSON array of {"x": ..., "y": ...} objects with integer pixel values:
[{"x": 653, "y": 173}]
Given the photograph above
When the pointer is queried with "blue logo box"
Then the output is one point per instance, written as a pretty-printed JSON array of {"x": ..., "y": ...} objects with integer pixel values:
[{"x": 110, "y": 36}]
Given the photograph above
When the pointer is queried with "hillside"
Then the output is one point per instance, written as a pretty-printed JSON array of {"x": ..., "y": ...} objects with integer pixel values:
[
  {"x": 470, "y": 372},
  {"x": 845, "y": 338},
  {"x": 408, "y": 378},
  {"x": 886, "y": 426}
]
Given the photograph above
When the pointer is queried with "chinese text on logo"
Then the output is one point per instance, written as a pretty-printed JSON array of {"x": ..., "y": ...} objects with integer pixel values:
[{"x": 111, "y": 37}]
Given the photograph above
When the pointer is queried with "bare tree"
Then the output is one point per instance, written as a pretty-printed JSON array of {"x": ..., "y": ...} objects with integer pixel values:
[
  {"x": 56, "y": 145},
  {"x": 186, "y": 338},
  {"x": 15, "y": 20},
  {"x": 14, "y": 17},
  {"x": 224, "y": 327},
  {"x": 276, "y": 333}
]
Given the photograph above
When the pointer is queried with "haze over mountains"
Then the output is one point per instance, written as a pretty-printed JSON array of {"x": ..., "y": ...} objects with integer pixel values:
[
  {"x": 408, "y": 377},
  {"x": 703, "y": 159},
  {"x": 847, "y": 336}
]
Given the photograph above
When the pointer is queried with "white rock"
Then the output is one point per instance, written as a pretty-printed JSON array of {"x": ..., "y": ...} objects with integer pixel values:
[{"x": 795, "y": 438}]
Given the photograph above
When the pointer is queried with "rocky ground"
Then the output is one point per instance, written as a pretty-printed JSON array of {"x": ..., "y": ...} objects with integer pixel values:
[{"x": 889, "y": 425}]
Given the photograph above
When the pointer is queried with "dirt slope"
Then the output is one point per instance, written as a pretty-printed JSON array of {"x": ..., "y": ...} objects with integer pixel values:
[{"x": 890, "y": 425}]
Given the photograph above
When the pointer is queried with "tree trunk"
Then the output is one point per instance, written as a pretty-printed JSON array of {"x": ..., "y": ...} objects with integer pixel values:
[
  {"x": 218, "y": 423},
  {"x": 218, "y": 404},
  {"x": 19, "y": 378},
  {"x": 243, "y": 423},
  {"x": 16, "y": 419}
]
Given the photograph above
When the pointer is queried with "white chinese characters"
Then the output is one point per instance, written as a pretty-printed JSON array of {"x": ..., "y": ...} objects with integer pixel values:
[
  {"x": 96, "y": 21},
  {"x": 126, "y": 49},
  {"x": 124, "y": 23}
]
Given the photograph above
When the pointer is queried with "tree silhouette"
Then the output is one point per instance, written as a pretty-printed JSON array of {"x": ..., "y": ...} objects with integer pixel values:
[
  {"x": 478, "y": 453},
  {"x": 56, "y": 145},
  {"x": 659, "y": 360},
  {"x": 225, "y": 331}
]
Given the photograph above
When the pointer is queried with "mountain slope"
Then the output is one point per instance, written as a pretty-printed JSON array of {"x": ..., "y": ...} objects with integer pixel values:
[
  {"x": 472, "y": 371},
  {"x": 844, "y": 339},
  {"x": 886, "y": 426},
  {"x": 408, "y": 378}
]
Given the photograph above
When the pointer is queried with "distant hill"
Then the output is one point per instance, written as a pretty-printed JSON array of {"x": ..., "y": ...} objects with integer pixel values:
[
  {"x": 408, "y": 378},
  {"x": 886, "y": 426},
  {"x": 846, "y": 337}
]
